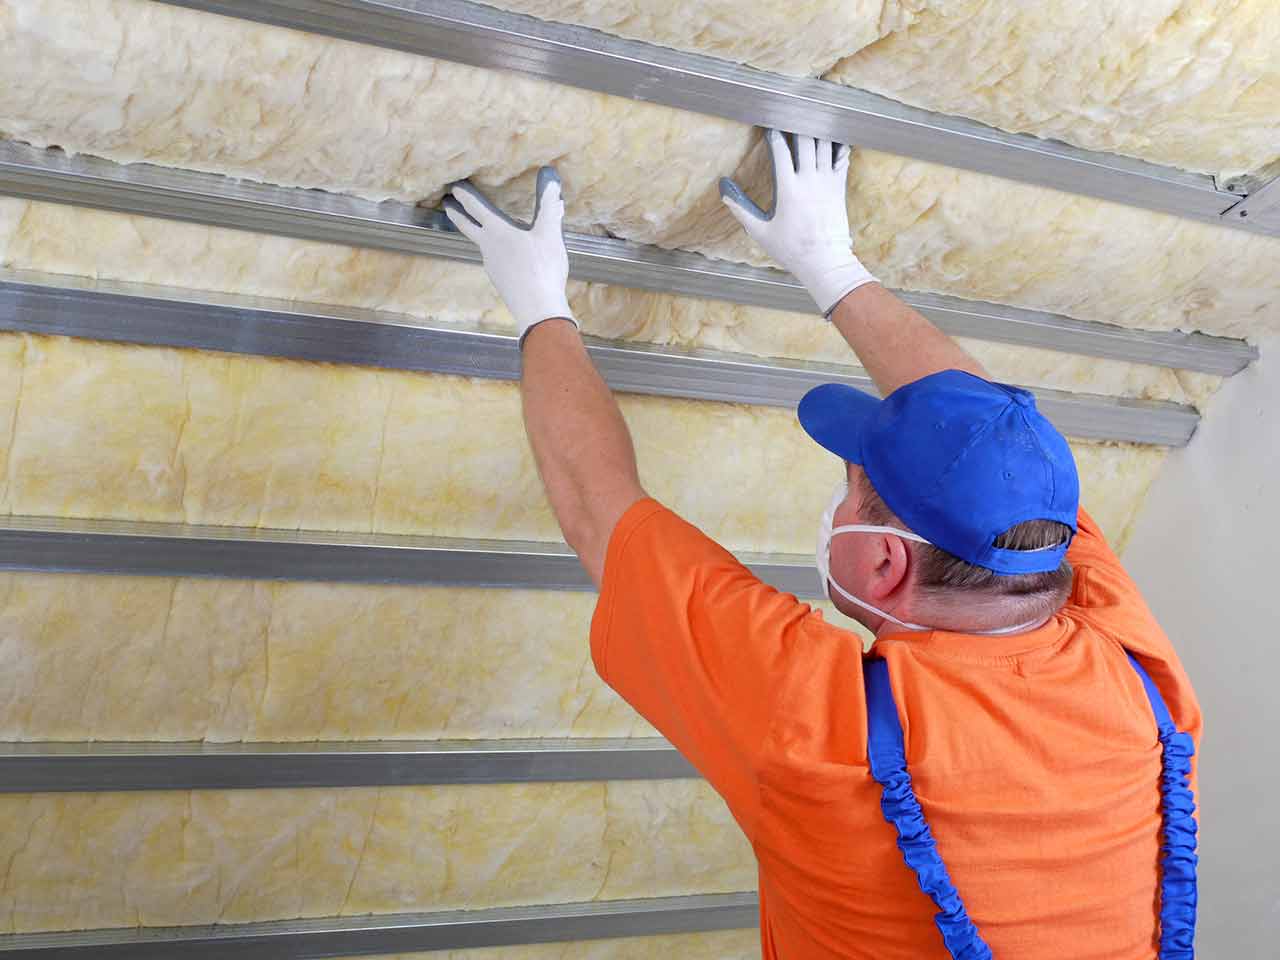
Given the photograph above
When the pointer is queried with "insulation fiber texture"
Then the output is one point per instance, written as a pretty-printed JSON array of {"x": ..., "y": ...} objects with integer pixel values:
[
  {"x": 720, "y": 945},
  {"x": 136, "y": 80},
  {"x": 78, "y": 861},
  {"x": 1188, "y": 83},
  {"x": 225, "y": 439},
  {"x": 163, "y": 659},
  {"x": 250, "y": 441},
  {"x": 50, "y": 238},
  {"x": 97, "y": 430}
]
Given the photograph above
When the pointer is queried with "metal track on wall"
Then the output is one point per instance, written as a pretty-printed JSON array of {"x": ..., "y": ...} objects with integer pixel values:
[
  {"x": 1261, "y": 207},
  {"x": 482, "y": 36},
  {"x": 103, "y": 766},
  {"x": 137, "y": 313},
  {"x": 395, "y": 933},
  {"x": 57, "y": 545},
  {"x": 52, "y": 176}
]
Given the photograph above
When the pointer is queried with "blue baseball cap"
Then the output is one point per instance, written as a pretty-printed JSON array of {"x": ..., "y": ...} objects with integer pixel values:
[{"x": 959, "y": 459}]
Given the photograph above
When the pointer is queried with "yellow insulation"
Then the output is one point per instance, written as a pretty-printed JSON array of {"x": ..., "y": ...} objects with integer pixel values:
[
  {"x": 93, "y": 430},
  {"x": 721, "y": 945},
  {"x": 79, "y": 861},
  {"x": 137, "y": 80}
]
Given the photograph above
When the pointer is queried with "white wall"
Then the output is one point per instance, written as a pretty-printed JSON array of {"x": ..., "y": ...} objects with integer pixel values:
[{"x": 1206, "y": 552}]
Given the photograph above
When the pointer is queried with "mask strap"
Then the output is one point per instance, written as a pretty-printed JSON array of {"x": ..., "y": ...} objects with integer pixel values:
[
  {"x": 908, "y": 535},
  {"x": 1017, "y": 628},
  {"x": 876, "y": 610},
  {"x": 868, "y": 528}
]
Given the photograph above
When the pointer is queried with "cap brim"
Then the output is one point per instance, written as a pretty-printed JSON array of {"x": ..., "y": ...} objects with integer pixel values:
[{"x": 837, "y": 416}]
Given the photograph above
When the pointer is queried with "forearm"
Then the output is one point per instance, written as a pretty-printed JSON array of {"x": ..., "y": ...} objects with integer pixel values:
[
  {"x": 808, "y": 233},
  {"x": 580, "y": 442},
  {"x": 894, "y": 343}
]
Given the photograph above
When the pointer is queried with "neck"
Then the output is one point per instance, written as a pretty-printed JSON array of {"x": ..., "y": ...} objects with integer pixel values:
[{"x": 953, "y": 621}]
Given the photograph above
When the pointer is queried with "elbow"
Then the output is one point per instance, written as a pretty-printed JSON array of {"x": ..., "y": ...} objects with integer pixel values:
[
  {"x": 588, "y": 526},
  {"x": 578, "y": 533},
  {"x": 590, "y": 546}
]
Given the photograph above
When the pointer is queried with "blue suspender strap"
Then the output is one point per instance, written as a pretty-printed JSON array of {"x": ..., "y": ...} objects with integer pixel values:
[
  {"x": 888, "y": 761},
  {"x": 1178, "y": 835},
  {"x": 886, "y": 754}
]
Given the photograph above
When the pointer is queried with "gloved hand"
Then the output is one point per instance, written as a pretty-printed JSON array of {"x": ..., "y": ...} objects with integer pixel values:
[
  {"x": 528, "y": 264},
  {"x": 807, "y": 232}
]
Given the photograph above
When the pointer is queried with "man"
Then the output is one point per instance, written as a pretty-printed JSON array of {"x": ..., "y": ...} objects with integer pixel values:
[{"x": 1002, "y": 774}]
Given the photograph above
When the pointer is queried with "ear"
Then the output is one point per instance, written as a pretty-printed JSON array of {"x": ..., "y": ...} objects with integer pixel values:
[{"x": 890, "y": 568}]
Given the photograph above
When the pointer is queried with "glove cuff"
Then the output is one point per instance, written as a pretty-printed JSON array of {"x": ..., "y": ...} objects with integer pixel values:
[
  {"x": 830, "y": 283},
  {"x": 529, "y": 319}
]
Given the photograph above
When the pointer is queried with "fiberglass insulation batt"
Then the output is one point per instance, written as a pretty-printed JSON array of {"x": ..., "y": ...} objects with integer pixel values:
[
  {"x": 138, "y": 433},
  {"x": 1188, "y": 83},
  {"x": 138, "y": 80}
]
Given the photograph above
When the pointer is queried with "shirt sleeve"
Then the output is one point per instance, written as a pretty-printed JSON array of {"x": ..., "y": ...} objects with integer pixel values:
[
  {"x": 1105, "y": 595},
  {"x": 1103, "y": 588},
  {"x": 694, "y": 642},
  {"x": 1089, "y": 548}
]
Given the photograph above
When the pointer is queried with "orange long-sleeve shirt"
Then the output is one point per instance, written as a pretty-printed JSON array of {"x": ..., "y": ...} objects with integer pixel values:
[{"x": 1034, "y": 756}]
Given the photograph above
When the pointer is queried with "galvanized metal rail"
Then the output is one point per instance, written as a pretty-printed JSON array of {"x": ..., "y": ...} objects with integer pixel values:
[
  {"x": 394, "y": 933},
  {"x": 50, "y": 175},
  {"x": 56, "y": 545},
  {"x": 103, "y": 766},
  {"x": 52, "y": 304},
  {"x": 482, "y": 36},
  {"x": 1261, "y": 207},
  {"x": 136, "y": 313}
]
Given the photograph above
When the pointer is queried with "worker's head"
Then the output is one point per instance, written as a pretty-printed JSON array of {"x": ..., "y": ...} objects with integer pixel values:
[{"x": 976, "y": 494}]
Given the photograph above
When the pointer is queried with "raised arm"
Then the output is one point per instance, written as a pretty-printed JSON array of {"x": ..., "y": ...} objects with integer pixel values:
[
  {"x": 807, "y": 232},
  {"x": 896, "y": 344},
  {"x": 580, "y": 441}
]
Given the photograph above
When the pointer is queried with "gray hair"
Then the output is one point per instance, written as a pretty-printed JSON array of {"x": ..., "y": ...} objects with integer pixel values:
[{"x": 943, "y": 576}]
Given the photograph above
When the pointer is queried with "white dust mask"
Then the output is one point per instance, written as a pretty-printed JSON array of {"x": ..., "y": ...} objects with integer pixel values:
[{"x": 826, "y": 532}]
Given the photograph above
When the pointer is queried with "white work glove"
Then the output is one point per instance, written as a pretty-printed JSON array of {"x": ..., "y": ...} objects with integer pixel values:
[
  {"x": 807, "y": 231},
  {"x": 527, "y": 263}
]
